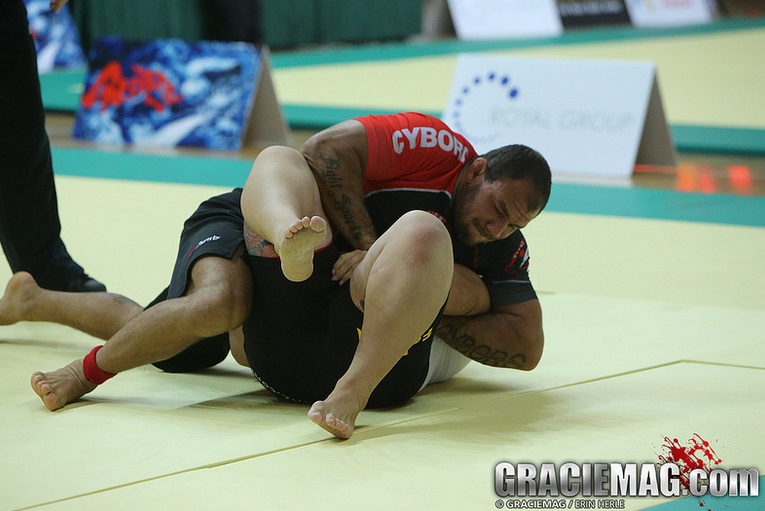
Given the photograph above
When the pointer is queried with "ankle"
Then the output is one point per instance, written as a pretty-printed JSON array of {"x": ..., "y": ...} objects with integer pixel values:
[{"x": 92, "y": 372}]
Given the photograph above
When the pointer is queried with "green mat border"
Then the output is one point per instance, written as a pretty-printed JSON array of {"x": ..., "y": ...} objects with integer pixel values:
[{"x": 569, "y": 198}]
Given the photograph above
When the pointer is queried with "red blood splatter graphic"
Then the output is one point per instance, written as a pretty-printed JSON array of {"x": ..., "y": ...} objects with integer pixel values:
[
  {"x": 697, "y": 453},
  {"x": 112, "y": 88}
]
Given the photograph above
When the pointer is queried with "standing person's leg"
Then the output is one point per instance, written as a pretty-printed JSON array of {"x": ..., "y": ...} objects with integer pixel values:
[
  {"x": 401, "y": 285},
  {"x": 29, "y": 221}
]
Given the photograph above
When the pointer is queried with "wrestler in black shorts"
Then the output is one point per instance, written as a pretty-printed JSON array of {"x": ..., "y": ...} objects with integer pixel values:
[{"x": 300, "y": 336}]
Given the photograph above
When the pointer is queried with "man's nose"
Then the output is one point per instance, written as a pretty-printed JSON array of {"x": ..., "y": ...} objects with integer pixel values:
[{"x": 496, "y": 228}]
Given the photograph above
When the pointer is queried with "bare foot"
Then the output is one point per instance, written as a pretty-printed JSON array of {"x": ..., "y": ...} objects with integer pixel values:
[
  {"x": 297, "y": 246},
  {"x": 337, "y": 416},
  {"x": 62, "y": 386},
  {"x": 18, "y": 298}
]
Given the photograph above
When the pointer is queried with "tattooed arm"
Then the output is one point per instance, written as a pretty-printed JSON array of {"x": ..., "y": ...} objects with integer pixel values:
[
  {"x": 508, "y": 336},
  {"x": 337, "y": 157},
  {"x": 500, "y": 336}
]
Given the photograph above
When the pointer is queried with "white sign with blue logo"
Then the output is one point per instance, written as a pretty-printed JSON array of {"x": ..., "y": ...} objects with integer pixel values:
[
  {"x": 590, "y": 118},
  {"x": 501, "y": 19}
]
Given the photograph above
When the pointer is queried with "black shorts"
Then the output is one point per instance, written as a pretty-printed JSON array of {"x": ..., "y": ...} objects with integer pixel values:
[
  {"x": 301, "y": 336},
  {"x": 214, "y": 229}
]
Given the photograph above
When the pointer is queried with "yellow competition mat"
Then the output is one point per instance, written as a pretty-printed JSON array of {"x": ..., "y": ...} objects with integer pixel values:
[{"x": 653, "y": 329}]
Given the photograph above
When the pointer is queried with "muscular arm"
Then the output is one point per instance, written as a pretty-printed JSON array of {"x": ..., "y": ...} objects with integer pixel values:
[
  {"x": 337, "y": 157},
  {"x": 468, "y": 295},
  {"x": 507, "y": 336}
]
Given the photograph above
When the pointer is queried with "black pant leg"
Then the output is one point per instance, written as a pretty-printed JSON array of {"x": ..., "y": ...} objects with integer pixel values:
[{"x": 29, "y": 222}]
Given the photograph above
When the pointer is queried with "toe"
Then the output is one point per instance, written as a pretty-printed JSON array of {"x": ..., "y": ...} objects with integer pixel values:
[{"x": 36, "y": 379}]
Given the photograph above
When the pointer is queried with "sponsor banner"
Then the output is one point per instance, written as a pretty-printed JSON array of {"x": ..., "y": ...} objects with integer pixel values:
[
  {"x": 585, "y": 13},
  {"x": 170, "y": 93},
  {"x": 662, "y": 13},
  {"x": 587, "y": 117},
  {"x": 56, "y": 37},
  {"x": 504, "y": 19}
]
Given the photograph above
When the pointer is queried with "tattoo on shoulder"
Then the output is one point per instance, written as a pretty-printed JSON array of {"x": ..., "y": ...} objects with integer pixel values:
[{"x": 482, "y": 353}]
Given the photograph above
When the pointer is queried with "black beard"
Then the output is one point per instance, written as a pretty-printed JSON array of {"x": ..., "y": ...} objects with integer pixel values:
[{"x": 462, "y": 198}]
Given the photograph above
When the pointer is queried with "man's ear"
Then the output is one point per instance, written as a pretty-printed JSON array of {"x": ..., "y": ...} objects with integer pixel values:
[{"x": 476, "y": 169}]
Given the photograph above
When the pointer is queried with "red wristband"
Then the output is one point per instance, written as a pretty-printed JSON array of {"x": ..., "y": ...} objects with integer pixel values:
[{"x": 93, "y": 373}]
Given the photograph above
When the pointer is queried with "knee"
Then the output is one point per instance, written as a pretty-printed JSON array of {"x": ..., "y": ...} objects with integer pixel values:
[
  {"x": 235, "y": 304},
  {"x": 426, "y": 235},
  {"x": 279, "y": 155},
  {"x": 222, "y": 309}
]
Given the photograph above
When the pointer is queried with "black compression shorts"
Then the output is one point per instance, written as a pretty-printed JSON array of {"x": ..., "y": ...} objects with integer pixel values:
[
  {"x": 301, "y": 336},
  {"x": 214, "y": 229}
]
